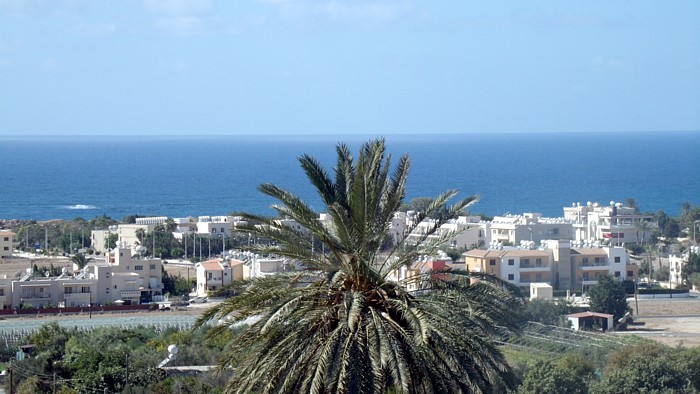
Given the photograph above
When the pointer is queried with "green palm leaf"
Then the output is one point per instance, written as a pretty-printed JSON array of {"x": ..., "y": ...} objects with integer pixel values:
[{"x": 342, "y": 323}]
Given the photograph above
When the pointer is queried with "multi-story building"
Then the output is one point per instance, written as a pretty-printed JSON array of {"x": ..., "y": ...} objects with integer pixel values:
[
  {"x": 127, "y": 277},
  {"x": 615, "y": 222},
  {"x": 676, "y": 264},
  {"x": 216, "y": 225},
  {"x": 414, "y": 277},
  {"x": 212, "y": 275},
  {"x": 65, "y": 290},
  {"x": 7, "y": 239},
  {"x": 556, "y": 262},
  {"x": 531, "y": 227},
  {"x": 461, "y": 233},
  {"x": 518, "y": 266}
]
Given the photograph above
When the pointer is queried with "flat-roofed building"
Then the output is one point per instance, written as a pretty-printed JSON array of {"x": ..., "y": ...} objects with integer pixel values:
[
  {"x": 614, "y": 223},
  {"x": 555, "y": 262},
  {"x": 7, "y": 240}
]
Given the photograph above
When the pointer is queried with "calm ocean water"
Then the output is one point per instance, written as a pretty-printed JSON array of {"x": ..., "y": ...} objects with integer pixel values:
[{"x": 64, "y": 177}]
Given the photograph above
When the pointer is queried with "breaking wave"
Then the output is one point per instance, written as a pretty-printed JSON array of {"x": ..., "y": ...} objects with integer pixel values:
[{"x": 80, "y": 207}]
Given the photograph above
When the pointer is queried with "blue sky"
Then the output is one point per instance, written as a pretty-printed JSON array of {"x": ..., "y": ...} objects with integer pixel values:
[{"x": 356, "y": 66}]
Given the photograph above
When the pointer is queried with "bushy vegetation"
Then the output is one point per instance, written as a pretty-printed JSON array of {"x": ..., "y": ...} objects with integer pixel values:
[{"x": 114, "y": 360}]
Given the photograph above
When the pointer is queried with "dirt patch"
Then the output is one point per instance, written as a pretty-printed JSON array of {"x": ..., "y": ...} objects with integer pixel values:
[{"x": 672, "y": 322}]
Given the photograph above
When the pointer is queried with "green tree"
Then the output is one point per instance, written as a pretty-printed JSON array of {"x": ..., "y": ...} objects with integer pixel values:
[
  {"x": 570, "y": 374},
  {"x": 80, "y": 260},
  {"x": 609, "y": 296},
  {"x": 692, "y": 266},
  {"x": 341, "y": 323},
  {"x": 645, "y": 368},
  {"x": 548, "y": 312}
]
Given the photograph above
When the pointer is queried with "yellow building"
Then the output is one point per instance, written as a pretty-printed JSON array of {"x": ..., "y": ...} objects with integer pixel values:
[{"x": 7, "y": 239}]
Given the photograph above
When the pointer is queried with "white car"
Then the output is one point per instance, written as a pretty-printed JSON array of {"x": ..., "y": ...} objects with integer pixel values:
[{"x": 198, "y": 300}]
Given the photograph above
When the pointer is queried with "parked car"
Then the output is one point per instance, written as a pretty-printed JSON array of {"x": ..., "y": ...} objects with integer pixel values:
[{"x": 198, "y": 300}]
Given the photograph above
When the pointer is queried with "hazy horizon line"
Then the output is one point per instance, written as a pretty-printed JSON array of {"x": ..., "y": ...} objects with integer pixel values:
[{"x": 363, "y": 134}]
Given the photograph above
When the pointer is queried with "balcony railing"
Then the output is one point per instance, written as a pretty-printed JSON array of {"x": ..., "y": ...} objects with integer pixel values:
[
  {"x": 534, "y": 266},
  {"x": 130, "y": 293},
  {"x": 74, "y": 296},
  {"x": 43, "y": 296}
]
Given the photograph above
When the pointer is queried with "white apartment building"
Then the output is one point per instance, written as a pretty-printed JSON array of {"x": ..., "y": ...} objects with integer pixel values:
[
  {"x": 212, "y": 275},
  {"x": 615, "y": 223},
  {"x": 7, "y": 239},
  {"x": 526, "y": 227},
  {"x": 461, "y": 233},
  {"x": 61, "y": 291},
  {"x": 559, "y": 263},
  {"x": 216, "y": 225},
  {"x": 676, "y": 264}
]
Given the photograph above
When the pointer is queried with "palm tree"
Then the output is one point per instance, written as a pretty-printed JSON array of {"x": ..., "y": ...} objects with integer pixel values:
[
  {"x": 80, "y": 260},
  {"x": 341, "y": 322}
]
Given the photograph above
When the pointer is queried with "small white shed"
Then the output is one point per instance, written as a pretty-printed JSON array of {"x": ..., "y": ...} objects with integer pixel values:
[
  {"x": 590, "y": 321},
  {"x": 542, "y": 291}
]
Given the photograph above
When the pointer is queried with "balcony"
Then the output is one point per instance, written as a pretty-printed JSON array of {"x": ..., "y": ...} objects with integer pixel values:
[
  {"x": 534, "y": 267},
  {"x": 594, "y": 267},
  {"x": 38, "y": 296},
  {"x": 130, "y": 294},
  {"x": 75, "y": 296}
]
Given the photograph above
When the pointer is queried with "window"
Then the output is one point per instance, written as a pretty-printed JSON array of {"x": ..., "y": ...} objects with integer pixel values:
[
  {"x": 222, "y": 229},
  {"x": 597, "y": 259},
  {"x": 538, "y": 277},
  {"x": 511, "y": 276},
  {"x": 630, "y": 274},
  {"x": 5, "y": 248},
  {"x": 121, "y": 254},
  {"x": 585, "y": 276},
  {"x": 511, "y": 261},
  {"x": 2, "y": 292},
  {"x": 210, "y": 275},
  {"x": 492, "y": 262},
  {"x": 617, "y": 274},
  {"x": 538, "y": 262},
  {"x": 584, "y": 261},
  {"x": 617, "y": 259},
  {"x": 213, "y": 230},
  {"x": 115, "y": 287},
  {"x": 138, "y": 268},
  {"x": 68, "y": 290},
  {"x": 6, "y": 239},
  {"x": 153, "y": 266}
]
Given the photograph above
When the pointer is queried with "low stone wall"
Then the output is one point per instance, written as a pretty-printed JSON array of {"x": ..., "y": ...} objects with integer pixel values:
[{"x": 662, "y": 295}]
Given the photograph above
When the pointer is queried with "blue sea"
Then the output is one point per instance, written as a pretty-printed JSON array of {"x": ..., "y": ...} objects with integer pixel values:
[{"x": 65, "y": 177}]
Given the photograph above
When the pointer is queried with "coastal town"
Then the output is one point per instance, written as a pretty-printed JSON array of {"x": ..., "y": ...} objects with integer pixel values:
[
  {"x": 565, "y": 254},
  {"x": 89, "y": 275}
]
